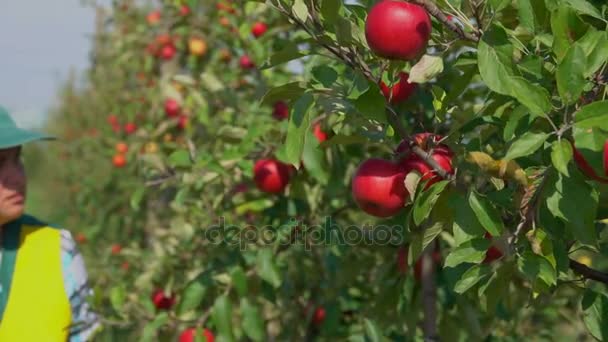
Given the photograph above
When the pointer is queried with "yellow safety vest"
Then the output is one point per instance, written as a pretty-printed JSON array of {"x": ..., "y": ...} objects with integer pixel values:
[{"x": 34, "y": 306}]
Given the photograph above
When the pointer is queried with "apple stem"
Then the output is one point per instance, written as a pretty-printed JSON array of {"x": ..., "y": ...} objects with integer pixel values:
[{"x": 429, "y": 295}]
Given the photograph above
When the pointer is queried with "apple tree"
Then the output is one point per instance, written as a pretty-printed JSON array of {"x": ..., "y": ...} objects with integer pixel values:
[{"x": 328, "y": 170}]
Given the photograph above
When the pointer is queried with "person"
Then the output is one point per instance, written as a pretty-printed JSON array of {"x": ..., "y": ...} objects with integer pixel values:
[{"x": 43, "y": 280}]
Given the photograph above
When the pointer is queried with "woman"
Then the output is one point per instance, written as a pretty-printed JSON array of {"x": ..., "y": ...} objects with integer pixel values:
[{"x": 43, "y": 281}]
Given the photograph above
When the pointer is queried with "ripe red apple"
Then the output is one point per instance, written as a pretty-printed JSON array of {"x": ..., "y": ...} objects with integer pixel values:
[
  {"x": 125, "y": 266},
  {"x": 400, "y": 91},
  {"x": 119, "y": 161},
  {"x": 378, "y": 189},
  {"x": 80, "y": 238},
  {"x": 172, "y": 108},
  {"x": 271, "y": 175},
  {"x": 163, "y": 39},
  {"x": 112, "y": 119},
  {"x": 162, "y": 301},
  {"x": 116, "y": 249},
  {"x": 189, "y": 334},
  {"x": 319, "y": 316},
  {"x": 281, "y": 111},
  {"x": 397, "y": 29},
  {"x": 130, "y": 127},
  {"x": 182, "y": 121},
  {"x": 258, "y": 29},
  {"x": 318, "y": 132},
  {"x": 122, "y": 148},
  {"x": 153, "y": 17},
  {"x": 246, "y": 62},
  {"x": 168, "y": 51},
  {"x": 184, "y": 10},
  {"x": 442, "y": 154},
  {"x": 493, "y": 253}
]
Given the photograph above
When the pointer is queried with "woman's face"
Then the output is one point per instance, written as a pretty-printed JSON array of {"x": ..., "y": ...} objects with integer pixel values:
[{"x": 12, "y": 185}]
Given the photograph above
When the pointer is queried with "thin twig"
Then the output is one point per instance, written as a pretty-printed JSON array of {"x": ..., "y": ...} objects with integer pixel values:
[
  {"x": 588, "y": 272},
  {"x": 432, "y": 8}
]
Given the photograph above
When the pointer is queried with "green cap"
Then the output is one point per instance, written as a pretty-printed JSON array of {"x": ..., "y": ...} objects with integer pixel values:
[{"x": 12, "y": 136}]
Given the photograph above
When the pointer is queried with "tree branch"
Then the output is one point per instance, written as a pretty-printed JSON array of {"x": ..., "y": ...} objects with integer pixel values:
[
  {"x": 429, "y": 295},
  {"x": 356, "y": 62},
  {"x": 430, "y": 7},
  {"x": 588, "y": 272}
]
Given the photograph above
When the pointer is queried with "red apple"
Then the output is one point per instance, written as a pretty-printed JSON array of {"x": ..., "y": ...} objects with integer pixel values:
[
  {"x": 271, "y": 175},
  {"x": 153, "y": 17},
  {"x": 122, "y": 148},
  {"x": 493, "y": 253},
  {"x": 397, "y": 29},
  {"x": 172, "y": 108},
  {"x": 189, "y": 334},
  {"x": 318, "y": 132},
  {"x": 258, "y": 29},
  {"x": 281, "y": 111},
  {"x": 319, "y": 316},
  {"x": 378, "y": 189},
  {"x": 116, "y": 249},
  {"x": 182, "y": 121},
  {"x": 246, "y": 62},
  {"x": 400, "y": 91},
  {"x": 168, "y": 51},
  {"x": 442, "y": 154},
  {"x": 112, "y": 119},
  {"x": 130, "y": 127},
  {"x": 119, "y": 161},
  {"x": 184, "y": 10},
  {"x": 162, "y": 301}
]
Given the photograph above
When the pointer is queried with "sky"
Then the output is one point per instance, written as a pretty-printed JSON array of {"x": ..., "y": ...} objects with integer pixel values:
[{"x": 40, "y": 42}]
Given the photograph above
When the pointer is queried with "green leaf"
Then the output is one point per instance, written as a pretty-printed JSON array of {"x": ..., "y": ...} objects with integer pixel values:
[
  {"x": 286, "y": 54},
  {"x": 300, "y": 10},
  {"x": 371, "y": 104},
  {"x": 595, "y": 314},
  {"x": 372, "y": 332},
  {"x": 267, "y": 269},
  {"x": 150, "y": 331},
  {"x": 533, "y": 96},
  {"x": 427, "y": 68},
  {"x": 584, "y": 7},
  {"x": 283, "y": 92},
  {"x": 593, "y": 115},
  {"x": 222, "y": 317},
  {"x": 566, "y": 26},
  {"x": 471, "y": 277},
  {"x": 570, "y": 74},
  {"x": 314, "y": 160},
  {"x": 515, "y": 118},
  {"x": 195, "y": 292},
  {"x": 421, "y": 240},
  {"x": 472, "y": 251},
  {"x": 330, "y": 10},
  {"x": 425, "y": 202},
  {"x": 536, "y": 267},
  {"x": 118, "y": 295},
  {"x": 344, "y": 32},
  {"x": 561, "y": 154},
  {"x": 253, "y": 324},
  {"x": 575, "y": 202},
  {"x": 137, "y": 197},
  {"x": 526, "y": 145},
  {"x": 341, "y": 139},
  {"x": 499, "y": 5},
  {"x": 466, "y": 225},
  {"x": 488, "y": 216},
  {"x": 299, "y": 124},
  {"x": 493, "y": 72},
  {"x": 526, "y": 15},
  {"x": 239, "y": 281},
  {"x": 180, "y": 158},
  {"x": 325, "y": 75}
]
